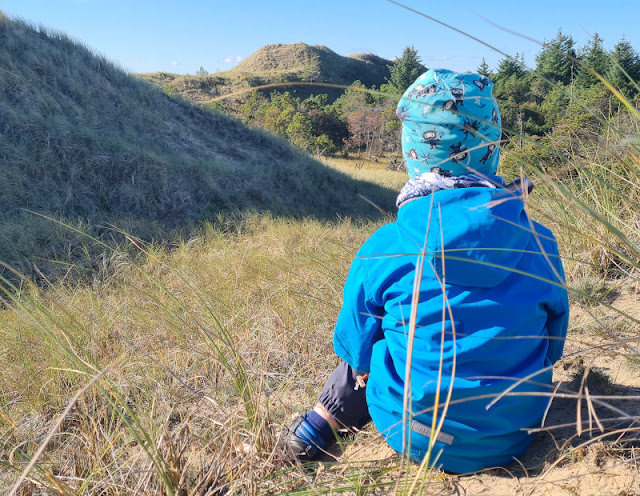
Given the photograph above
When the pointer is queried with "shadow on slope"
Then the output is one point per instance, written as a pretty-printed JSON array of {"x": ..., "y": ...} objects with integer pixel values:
[{"x": 85, "y": 142}]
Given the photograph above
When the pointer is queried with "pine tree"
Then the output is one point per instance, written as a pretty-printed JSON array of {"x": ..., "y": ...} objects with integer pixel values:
[
  {"x": 512, "y": 90},
  {"x": 508, "y": 67},
  {"x": 300, "y": 131},
  {"x": 404, "y": 71},
  {"x": 483, "y": 69},
  {"x": 595, "y": 57},
  {"x": 625, "y": 65},
  {"x": 311, "y": 71},
  {"x": 555, "y": 61}
]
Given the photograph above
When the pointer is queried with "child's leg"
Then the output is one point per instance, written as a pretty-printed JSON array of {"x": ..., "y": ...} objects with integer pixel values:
[
  {"x": 340, "y": 405},
  {"x": 341, "y": 401}
]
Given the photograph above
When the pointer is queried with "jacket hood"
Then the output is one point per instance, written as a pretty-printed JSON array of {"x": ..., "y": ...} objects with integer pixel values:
[{"x": 481, "y": 231}]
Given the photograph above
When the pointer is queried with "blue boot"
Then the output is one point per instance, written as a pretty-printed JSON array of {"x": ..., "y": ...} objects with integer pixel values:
[{"x": 307, "y": 436}]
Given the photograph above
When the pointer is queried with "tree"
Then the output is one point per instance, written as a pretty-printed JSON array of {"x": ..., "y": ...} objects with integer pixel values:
[
  {"x": 276, "y": 114},
  {"x": 556, "y": 60},
  {"x": 513, "y": 92},
  {"x": 315, "y": 102},
  {"x": 299, "y": 131},
  {"x": 483, "y": 69},
  {"x": 554, "y": 106},
  {"x": 510, "y": 66},
  {"x": 625, "y": 68},
  {"x": 326, "y": 123},
  {"x": 284, "y": 119},
  {"x": 596, "y": 58},
  {"x": 202, "y": 72},
  {"x": 354, "y": 99},
  {"x": 404, "y": 71},
  {"x": 251, "y": 106},
  {"x": 284, "y": 101},
  {"x": 311, "y": 124},
  {"x": 311, "y": 71},
  {"x": 324, "y": 145},
  {"x": 362, "y": 127},
  {"x": 376, "y": 128}
]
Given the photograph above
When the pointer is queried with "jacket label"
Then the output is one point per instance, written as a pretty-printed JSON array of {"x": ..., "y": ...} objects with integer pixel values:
[{"x": 426, "y": 431}]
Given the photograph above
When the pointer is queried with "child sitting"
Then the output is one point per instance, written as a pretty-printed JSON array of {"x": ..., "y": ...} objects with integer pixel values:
[{"x": 463, "y": 294}]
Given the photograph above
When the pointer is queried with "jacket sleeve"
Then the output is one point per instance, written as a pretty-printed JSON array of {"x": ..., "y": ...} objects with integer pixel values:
[
  {"x": 557, "y": 314},
  {"x": 359, "y": 324}
]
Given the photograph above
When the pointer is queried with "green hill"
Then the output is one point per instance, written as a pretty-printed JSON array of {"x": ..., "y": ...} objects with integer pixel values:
[
  {"x": 298, "y": 68},
  {"x": 316, "y": 63},
  {"x": 83, "y": 141}
]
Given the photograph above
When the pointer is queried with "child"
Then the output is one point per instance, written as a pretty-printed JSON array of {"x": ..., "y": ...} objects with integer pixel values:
[{"x": 486, "y": 287}]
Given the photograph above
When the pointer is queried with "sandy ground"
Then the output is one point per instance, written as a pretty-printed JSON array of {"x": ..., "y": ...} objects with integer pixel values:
[{"x": 600, "y": 460}]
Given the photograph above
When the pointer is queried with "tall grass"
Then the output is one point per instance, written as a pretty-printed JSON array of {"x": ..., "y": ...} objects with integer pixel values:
[
  {"x": 207, "y": 344},
  {"x": 188, "y": 360}
]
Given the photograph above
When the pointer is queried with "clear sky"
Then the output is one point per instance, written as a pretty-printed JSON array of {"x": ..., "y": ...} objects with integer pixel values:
[{"x": 180, "y": 36}]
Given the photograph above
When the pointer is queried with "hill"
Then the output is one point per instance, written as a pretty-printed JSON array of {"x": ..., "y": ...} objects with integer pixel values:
[
  {"x": 85, "y": 142},
  {"x": 316, "y": 63},
  {"x": 298, "y": 68}
]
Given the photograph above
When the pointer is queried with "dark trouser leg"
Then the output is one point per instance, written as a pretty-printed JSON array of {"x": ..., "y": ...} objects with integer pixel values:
[{"x": 342, "y": 401}]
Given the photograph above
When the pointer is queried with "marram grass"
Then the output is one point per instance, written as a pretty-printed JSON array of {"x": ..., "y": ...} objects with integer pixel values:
[{"x": 204, "y": 344}]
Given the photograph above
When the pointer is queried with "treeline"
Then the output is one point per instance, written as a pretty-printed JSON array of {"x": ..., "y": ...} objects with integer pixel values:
[
  {"x": 562, "y": 92},
  {"x": 564, "y": 88},
  {"x": 360, "y": 120}
]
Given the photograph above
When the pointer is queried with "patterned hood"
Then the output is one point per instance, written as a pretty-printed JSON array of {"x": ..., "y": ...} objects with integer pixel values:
[{"x": 450, "y": 124}]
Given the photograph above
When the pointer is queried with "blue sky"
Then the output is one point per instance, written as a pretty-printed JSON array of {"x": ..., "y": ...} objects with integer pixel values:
[{"x": 180, "y": 36}]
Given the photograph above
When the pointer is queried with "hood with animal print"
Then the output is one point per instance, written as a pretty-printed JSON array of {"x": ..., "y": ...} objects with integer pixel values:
[{"x": 450, "y": 124}]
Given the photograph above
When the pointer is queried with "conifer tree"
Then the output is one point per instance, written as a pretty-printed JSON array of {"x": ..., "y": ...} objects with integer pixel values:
[
  {"x": 510, "y": 66},
  {"x": 512, "y": 90},
  {"x": 404, "y": 71},
  {"x": 483, "y": 69},
  {"x": 596, "y": 58},
  {"x": 625, "y": 67},
  {"x": 555, "y": 61}
]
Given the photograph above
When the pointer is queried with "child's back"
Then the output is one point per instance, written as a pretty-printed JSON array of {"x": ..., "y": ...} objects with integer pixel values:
[
  {"x": 497, "y": 296},
  {"x": 484, "y": 283}
]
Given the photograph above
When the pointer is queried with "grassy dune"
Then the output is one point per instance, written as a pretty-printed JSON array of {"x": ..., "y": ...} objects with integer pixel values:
[{"x": 88, "y": 144}]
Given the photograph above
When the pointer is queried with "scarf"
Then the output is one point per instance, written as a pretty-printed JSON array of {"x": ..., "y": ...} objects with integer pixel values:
[{"x": 430, "y": 182}]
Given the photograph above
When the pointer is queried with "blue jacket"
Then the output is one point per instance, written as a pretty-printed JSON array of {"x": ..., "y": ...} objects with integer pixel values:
[{"x": 505, "y": 318}]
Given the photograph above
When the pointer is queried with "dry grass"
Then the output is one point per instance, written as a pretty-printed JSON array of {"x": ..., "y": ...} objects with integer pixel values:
[{"x": 208, "y": 345}]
